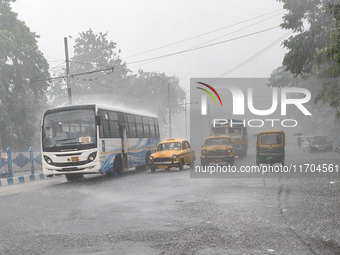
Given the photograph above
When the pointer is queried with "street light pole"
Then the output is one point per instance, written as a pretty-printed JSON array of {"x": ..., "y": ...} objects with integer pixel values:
[
  {"x": 170, "y": 133},
  {"x": 68, "y": 73}
]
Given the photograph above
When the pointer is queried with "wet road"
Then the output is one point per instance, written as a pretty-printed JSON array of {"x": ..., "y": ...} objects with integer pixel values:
[{"x": 171, "y": 213}]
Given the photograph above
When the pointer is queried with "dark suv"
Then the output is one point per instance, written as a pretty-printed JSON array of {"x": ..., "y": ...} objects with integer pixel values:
[{"x": 320, "y": 143}]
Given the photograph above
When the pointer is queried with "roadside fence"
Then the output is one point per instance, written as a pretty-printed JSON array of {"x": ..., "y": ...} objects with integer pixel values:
[{"x": 13, "y": 162}]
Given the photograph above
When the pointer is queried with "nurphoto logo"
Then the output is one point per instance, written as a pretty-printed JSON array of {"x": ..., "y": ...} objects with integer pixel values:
[{"x": 288, "y": 96}]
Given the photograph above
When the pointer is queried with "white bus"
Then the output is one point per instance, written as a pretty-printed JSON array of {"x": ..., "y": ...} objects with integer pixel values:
[{"x": 94, "y": 139}]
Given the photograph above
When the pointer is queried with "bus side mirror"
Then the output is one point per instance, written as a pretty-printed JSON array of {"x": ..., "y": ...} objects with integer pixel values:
[{"x": 98, "y": 120}]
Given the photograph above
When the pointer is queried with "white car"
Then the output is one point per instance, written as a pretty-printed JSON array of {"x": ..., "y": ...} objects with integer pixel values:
[{"x": 305, "y": 143}]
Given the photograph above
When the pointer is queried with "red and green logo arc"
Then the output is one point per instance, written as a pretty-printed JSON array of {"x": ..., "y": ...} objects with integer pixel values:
[{"x": 207, "y": 91}]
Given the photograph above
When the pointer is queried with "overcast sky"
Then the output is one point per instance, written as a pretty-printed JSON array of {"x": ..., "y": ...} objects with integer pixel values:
[{"x": 150, "y": 25}]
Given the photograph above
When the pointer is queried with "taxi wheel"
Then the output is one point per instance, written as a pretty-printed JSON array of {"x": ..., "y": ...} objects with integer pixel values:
[
  {"x": 153, "y": 169},
  {"x": 181, "y": 164}
]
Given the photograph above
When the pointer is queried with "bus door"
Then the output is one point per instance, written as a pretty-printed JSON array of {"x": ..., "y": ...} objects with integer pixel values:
[
  {"x": 125, "y": 143},
  {"x": 125, "y": 147}
]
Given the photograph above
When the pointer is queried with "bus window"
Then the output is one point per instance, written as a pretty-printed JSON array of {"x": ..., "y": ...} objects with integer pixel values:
[
  {"x": 146, "y": 130},
  {"x": 157, "y": 131},
  {"x": 130, "y": 118},
  {"x": 152, "y": 127},
  {"x": 138, "y": 119},
  {"x": 114, "y": 129},
  {"x": 131, "y": 129},
  {"x": 113, "y": 116},
  {"x": 145, "y": 120},
  {"x": 139, "y": 128}
]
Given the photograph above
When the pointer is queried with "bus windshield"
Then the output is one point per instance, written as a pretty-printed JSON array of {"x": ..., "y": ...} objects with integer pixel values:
[
  {"x": 72, "y": 129},
  {"x": 235, "y": 131}
]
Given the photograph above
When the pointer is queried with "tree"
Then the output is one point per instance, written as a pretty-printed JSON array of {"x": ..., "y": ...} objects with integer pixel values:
[
  {"x": 21, "y": 98},
  {"x": 314, "y": 50},
  {"x": 320, "y": 113},
  {"x": 93, "y": 52},
  {"x": 150, "y": 93}
]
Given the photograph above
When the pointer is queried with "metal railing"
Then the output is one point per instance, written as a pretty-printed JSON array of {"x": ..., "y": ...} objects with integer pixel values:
[{"x": 13, "y": 162}]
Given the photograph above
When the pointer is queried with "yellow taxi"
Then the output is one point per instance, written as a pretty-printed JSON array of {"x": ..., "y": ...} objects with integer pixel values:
[
  {"x": 172, "y": 153},
  {"x": 217, "y": 149}
]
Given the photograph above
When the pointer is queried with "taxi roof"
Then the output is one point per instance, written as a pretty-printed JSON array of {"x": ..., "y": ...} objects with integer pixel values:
[
  {"x": 173, "y": 140},
  {"x": 217, "y": 136}
]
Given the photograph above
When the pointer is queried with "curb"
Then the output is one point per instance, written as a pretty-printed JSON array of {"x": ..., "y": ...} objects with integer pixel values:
[{"x": 21, "y": 179}]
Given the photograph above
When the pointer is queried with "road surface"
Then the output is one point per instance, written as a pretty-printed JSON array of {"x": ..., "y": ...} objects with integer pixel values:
[{"x": 168, "y": 212}]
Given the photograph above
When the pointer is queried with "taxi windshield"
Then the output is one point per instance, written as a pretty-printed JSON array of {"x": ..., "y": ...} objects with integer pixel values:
[
  {"x": 235, "y": 131},
  {"x": 217, "y": 141},
  {"x": 271, "y": 138},
  {"x": 169, "y": 146}
]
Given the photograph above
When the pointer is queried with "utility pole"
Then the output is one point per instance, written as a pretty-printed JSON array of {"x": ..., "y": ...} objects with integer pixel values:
[
  {"x": 68, "y": 73},
  {"x": 186, "y": 115},
  {"x": 209, "y": 118},
  {"x": 170, "y": 133},
  {"x": 186, "y": 124}
]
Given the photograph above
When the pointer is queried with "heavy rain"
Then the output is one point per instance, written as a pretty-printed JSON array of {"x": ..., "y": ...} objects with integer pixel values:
[{"x": 169, "y": 127}]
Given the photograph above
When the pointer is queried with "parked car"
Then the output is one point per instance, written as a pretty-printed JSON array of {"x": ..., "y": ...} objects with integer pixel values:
[
  {"x": 172, "y": 153},
  {"x": 216, "y": 149},
  {"x": 320, "y": 143},
  {"x": 305, "y": 143}
]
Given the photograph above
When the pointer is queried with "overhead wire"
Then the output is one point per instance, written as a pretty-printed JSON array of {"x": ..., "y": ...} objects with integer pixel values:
[
  {"x": 241, "y": 64},
  {"x": 167, "y": 55},
  {"x": 249, "y": 59},
  {"x": 206, "y": 46},
  {"x": 194, "y": 37},
  {"x": 151, "y": 61},
  {"x": 194, "y": 48},
  {"x": 255, "y": 55},
  {"x": 161, "y": 57}
]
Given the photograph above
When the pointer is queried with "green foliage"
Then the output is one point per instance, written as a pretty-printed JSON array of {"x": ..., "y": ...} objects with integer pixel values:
[
  {"x": 311, "y": 22},
  {"x": 314, "y": 51},
  {"x": 21, "y": 99},
  {"x": 320, "y": 113},
  {"x": 93, "y": 52},
  {"x": 150, "y": 93}
]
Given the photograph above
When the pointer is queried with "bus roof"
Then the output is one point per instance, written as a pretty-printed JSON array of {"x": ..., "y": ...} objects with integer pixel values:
[{"x": 113, "y": 108}]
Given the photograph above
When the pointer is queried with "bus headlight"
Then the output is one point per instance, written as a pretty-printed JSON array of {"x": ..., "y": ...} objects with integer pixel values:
[
  {"x": 48, "y": 160},
  {"x": 92, "y": 156}
]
